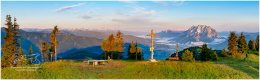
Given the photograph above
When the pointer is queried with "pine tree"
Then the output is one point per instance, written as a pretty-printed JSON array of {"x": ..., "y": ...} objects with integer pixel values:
[
  {"x": 31, "y": 56},
  {"x": 241, "y": 44},
  {"x": 204, "y": 51},
  {"x": 257, "y": 43},
  {"x": 10, "y": 48},
  {"x": 21, "y": 58},
  {"x": 232, "y": 43},
  {"x": 252, "y": 45},
  {"x": 54, "y": 43},
  {"x": 45, "y": 52}
]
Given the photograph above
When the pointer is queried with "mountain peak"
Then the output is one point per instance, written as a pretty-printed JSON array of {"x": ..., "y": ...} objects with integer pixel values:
[{"x": 201, "y": 32}]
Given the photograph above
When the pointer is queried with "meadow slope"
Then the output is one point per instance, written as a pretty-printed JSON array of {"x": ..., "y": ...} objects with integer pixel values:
[{"x": 225, "y": 68}]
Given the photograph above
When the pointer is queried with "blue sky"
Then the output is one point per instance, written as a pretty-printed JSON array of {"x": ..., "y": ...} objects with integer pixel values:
[{"x": 135, "y": 16}]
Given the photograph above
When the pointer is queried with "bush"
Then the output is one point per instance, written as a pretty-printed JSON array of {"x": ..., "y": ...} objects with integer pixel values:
[
  {"x": 214, "y": 56},
  {"x": 224, "y": 53},
  {"x": 187, "y": 56}
]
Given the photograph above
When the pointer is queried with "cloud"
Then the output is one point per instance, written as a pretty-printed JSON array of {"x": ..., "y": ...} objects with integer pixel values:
[
  {"x": 144, "y": 11},
  {"x": 87, "y": 15},
  {"x": 69, "y": 7}
]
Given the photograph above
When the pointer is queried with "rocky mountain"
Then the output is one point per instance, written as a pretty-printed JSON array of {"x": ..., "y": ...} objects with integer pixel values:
[{"x": 199, "y": 33}]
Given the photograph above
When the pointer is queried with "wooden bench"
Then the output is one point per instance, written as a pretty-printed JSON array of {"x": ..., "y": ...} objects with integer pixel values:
[
  {"x": 174, "y": 58},
  {"x": 97, "y": 62}
]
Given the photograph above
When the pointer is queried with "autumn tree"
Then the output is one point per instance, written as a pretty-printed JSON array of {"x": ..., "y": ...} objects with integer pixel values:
[
  {"x": 10, "y": 48},
  {"x": 252, "y": 45},
  {"x": 113, "y": 46},
  {"x": 232, "y": 43},
  {"x": 54, "y": 43},
  {"x": 134, "y": 52},
  {"x": 241, "y": 44},
  {"x": 187, "y": 56},
  {"x": 119, "y": 44},
  {"x": 105, "y": 48}
]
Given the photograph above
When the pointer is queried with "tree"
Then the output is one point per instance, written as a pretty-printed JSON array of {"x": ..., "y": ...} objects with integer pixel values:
[
  {"x": 204, "y": 53},
  {"x": 119, "y": 43},
  {"x": 252, "y": 45},
  {"x": 232, "y": 43},
  {"x": 241, "y": 44},
  {"x": 224, "y": 53},
  {"x": 54, "y": 43},
  {"x": 214, "y": 56},
  {"x": 31, "y": 56},
  {"x": 134, "y": 52},
  {"x": 207, "y": 54},
  {"x": 10, "y": 48},
  {"x": 257, "y": 43},
  {"x": 187, "y": 56},
  {"x": 177, "y": 49},
  {"x": 104, "y": 47},
  {"x": 21, "y": 58},
  {"x": 45, "y": 52}
]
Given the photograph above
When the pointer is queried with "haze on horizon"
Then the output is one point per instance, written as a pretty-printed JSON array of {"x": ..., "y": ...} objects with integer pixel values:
[{"x": 134, "y": 16}]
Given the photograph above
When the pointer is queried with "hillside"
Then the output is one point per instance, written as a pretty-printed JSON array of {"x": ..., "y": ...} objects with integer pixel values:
[{"x": 125, "y": 69}]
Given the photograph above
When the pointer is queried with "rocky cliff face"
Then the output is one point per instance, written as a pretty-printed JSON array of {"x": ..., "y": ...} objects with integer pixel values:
[{"x": 201, "y": 33}]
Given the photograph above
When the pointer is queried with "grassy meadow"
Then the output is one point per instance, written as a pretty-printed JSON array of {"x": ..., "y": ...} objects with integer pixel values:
[{"x": 224, "y": 68}]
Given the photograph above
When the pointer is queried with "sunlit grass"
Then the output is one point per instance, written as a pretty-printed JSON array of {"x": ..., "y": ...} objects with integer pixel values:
[{"x": 225, "y": 68}]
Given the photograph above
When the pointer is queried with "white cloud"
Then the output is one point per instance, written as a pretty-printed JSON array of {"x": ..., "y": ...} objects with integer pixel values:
[
  {"x": 64, "y": 8},
  {"x": 144, "y": 11}
]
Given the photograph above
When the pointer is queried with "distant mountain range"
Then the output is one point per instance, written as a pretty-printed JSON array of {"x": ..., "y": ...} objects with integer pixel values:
[
  {"x": 200, "y": 33},
  {"x": 196, "y": 36},
  {"x": 85, "y": 44}
]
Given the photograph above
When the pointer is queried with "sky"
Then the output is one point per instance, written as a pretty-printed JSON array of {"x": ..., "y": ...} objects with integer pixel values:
[{"x": 134, "y": 15}]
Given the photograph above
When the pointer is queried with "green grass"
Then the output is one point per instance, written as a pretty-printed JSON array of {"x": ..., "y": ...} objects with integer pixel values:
[{"x": 225, "y": 68}]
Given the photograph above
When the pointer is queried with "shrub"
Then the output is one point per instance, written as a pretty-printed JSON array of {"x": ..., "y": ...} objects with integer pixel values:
[{"x": 187, "y": 56}]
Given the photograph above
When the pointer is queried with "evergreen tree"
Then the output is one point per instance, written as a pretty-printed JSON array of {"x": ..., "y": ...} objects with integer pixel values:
[
  {"x": 54, "y": 43},
  {"x": 21, "y": 58},
  {"x": 31, "y": 56},
  {"x": 252, "y": 45},
  {"x": 204, "y": 51},
  {"x": 232, "y": 43},
  {"x": 241, "y": 44},
  {"x": 45, "y": 52},
  {"x": 10, "y": 48},
  {"x": 257, "y": 43},
  {"x": 187, "y": 56},
  {"x": 207, "y": 54}
]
